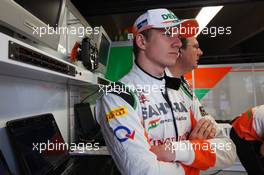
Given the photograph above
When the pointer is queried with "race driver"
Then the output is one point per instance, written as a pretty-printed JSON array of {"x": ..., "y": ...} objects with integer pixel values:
[{"x": 152, "y": 114}]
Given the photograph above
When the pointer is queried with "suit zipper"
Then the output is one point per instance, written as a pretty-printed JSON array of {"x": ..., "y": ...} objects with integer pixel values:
[{"x": 166, "y": 97}]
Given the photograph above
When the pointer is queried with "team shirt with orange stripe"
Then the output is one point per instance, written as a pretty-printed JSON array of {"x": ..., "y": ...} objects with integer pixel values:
[
  {"x": 250, "y": 124},
  {"x": 130, "y": 131}
]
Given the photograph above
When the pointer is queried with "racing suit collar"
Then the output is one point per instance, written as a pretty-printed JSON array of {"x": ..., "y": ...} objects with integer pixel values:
[
  {"x": 172, "y": 82},
  {"x": 138, "y": 78},
  {"x": 158, "y": 78}
]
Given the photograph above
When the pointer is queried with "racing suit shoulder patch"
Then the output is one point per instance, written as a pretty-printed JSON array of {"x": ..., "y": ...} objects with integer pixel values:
[
  {"x": 125, "y": 93},
  {"x": 202, "y": 111},
  {"x": 116, "y": 113}
]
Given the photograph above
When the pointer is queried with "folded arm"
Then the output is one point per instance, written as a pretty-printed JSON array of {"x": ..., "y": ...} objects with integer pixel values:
[{"x": 127, "y": 141}]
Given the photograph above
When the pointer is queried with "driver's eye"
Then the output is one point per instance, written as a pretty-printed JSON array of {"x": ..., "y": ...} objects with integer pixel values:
[
  {"x": 167, "y": 34},
  {"x": 196, "y": 46}
]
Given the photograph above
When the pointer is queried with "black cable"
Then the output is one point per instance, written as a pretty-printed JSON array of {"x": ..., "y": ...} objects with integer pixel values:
[
  {"x": 89, "y": 95},
  {"x": 216, "y": 172},
  {"x": 166, "y": 97}
]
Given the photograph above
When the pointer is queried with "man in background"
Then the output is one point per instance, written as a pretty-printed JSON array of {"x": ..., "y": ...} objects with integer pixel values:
[{"x": 188, "y": 60}]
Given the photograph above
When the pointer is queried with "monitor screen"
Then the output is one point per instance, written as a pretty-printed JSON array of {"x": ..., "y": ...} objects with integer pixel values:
[
  {"x": 47, "y": 11},
  {"x": 4, "y": 170},
  {"x": 36, "y": 142},
  {"x": 103, "y": 42},
  {"x": 104, "y": 50}
]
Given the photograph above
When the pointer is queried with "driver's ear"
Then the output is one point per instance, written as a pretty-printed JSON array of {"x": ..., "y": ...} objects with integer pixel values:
[{"x": 141, "y": 41}]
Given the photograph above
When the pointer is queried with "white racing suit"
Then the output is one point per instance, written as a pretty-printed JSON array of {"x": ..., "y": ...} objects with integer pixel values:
[{"x": 133, "y": 122}]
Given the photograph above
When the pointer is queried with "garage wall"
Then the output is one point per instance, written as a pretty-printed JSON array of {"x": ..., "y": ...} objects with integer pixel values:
[{"x": 232, "y": 90}]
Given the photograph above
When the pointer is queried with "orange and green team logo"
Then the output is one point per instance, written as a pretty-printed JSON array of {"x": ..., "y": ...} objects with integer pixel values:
[
  {"x": 116, "y": 113},
  {"x": 249, "y": 113},
  {"x": 206, "y": 79},
  {"x": 153, "y": 124}
]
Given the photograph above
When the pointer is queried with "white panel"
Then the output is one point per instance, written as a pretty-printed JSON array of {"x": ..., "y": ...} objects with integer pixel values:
[
  {"x": 22, "y": 98},
  {"x": 239, "y": 90},
  {"x": 259, "y": 84}
]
